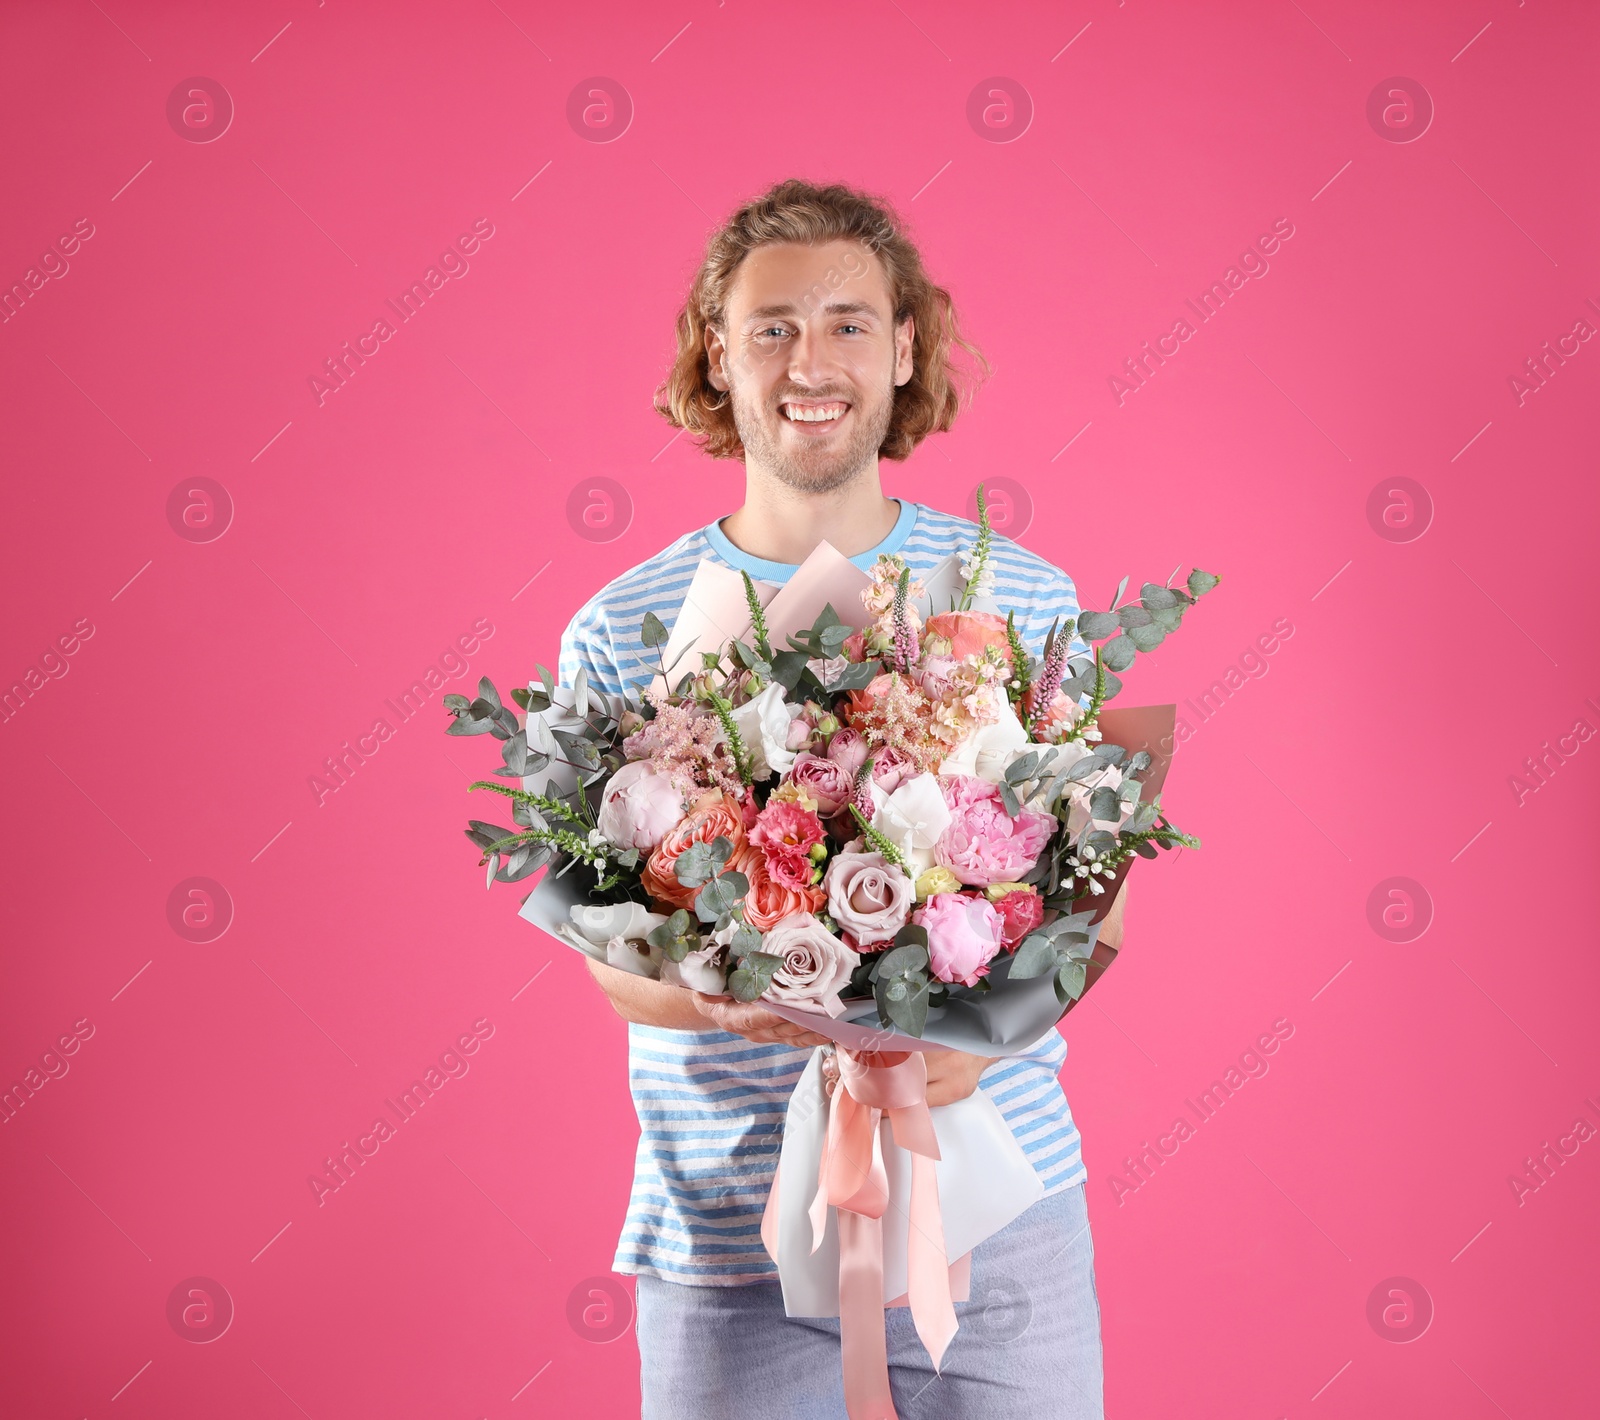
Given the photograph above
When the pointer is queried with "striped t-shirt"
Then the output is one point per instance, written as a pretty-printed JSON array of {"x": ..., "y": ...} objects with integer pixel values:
[{"x": 711, "y": 1104}]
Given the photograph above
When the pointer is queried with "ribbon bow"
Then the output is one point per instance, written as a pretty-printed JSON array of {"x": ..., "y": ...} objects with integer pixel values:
[{"x": 852, "y": 1179}]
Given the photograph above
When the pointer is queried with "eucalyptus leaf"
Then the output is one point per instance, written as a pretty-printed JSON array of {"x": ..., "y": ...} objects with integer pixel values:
[
  {"x": 1034, "y": 956},
  {"x": 1146, "y": 638},
  {"x": 1105, "y": 805},
  {"x": 1009, "y": 800},
  {"x": 651, "y": 630},
  {"x": 1201, "y": 582},
  {"x": 1094, "y": 625},
  {"x": 1070, "y": 981},
  {"x": 1133, "y": 615},
  {"x": 1118, "y": 653},
  {"x": 1154, "y": 598}
]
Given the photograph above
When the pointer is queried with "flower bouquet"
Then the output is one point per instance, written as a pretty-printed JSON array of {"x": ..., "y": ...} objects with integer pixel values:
[{"x": 861, "y": 801}]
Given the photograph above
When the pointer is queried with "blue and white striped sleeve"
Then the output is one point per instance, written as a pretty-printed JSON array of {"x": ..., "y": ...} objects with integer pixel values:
[{"x": 586, "y": 645}]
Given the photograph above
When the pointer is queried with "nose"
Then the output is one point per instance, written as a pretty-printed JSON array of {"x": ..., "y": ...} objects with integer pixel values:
[{"x": 809, "y": 361}]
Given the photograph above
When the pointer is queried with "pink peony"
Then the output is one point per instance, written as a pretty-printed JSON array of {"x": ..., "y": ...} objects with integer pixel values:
[
  {"x": 848, "y": 749},
  {"x": 639, "y": 806},
  {"x": 868, "y": 897},
  {"x": 824, "y": 780},
  {"x": 983, "y": 844},
  {"x": 963, "y": 936}
]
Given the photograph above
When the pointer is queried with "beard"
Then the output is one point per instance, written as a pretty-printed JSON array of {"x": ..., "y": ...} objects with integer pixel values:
[{"x": 812, "y": 467}]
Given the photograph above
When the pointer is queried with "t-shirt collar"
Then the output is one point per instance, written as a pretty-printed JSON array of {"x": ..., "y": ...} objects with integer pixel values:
[{"x": 779, "y": 572}]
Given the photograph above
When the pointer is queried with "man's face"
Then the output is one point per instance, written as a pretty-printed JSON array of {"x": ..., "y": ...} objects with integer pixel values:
[{"x": 811, "y": 356}]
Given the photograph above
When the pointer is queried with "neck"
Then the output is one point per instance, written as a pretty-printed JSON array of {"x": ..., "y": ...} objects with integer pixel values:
[{"x": 782, "y": 524}]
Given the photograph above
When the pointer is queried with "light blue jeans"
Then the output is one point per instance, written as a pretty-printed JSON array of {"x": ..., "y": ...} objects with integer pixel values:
[{"x": 1028, "y": 1345}]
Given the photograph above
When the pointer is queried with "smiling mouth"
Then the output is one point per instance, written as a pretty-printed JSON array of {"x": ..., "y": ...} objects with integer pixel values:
[{"x": 816, "y": 413}]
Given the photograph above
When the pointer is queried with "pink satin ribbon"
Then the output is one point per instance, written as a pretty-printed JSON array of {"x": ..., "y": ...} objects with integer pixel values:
[{"x": 852, "y": 1179}]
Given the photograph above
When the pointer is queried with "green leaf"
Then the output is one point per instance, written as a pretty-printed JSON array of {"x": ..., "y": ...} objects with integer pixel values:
[
  {"x": 1009, "y": 800},
  {"x": 1070, "y": 981},
  {"x": 1201, "y": 582},
  {"x": 903, "y": 961},
  {"x": 1145, "y": 849},
  {"x": 1035, "y": 955},
  {"x": 718, "y": 898},
  {"x": 746, "y": 939},
  {"x": 1140, "y": 760},
  {"x": 1093, "y": 625},
  {"x": 1154, "y": 598},
  {"x": 651, "y": 631},
  {"x": 1146, "y": 638},
  {"x": 903, "y": 1005},
  {"x": 455, "y": 704},
  {"x": 1133, "y": 615},
  {"x": 518, "y": 693},
  {"x": 1104, "y": 805},
  {"x": 788, "y": 667},
  {"x": 486, "y": 691},
  {"x": 696, "y": 865},
  {"x": 1122, "y": 586},
  {"x": 1167, "y": 618},
  {"x": 1022, "y": 768},
  {"x": 1118, "y": 653},
  {"x": 911, "y": 935}
]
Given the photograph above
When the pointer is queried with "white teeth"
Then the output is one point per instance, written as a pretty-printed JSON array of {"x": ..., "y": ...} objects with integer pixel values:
[{"x": 815, "y": 415}]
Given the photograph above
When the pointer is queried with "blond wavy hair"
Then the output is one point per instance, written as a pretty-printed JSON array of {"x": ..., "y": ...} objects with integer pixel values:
[{"x": 802, "y": 212}]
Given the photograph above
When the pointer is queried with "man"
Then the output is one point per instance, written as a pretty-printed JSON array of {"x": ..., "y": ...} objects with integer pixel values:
[{"x": 812, "y": 343}]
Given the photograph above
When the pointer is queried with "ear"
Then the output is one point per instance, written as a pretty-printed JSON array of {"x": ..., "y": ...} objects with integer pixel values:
[
  {"x": 904, "y": 337},
  {"x": 716, "y": 357}
]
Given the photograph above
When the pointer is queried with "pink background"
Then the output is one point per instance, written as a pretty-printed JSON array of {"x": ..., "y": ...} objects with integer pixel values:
[{"x": 370, "y": 531}]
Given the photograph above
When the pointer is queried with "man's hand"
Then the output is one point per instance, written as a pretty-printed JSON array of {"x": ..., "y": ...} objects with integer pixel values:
[
  {"x": 952, "y": 1074},
  {"x": 754, "y": 1022}
]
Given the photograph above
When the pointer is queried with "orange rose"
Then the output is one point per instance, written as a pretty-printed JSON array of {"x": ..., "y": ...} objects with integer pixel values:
[
  {"x": 768, "y": 902},
  {"x": 715, "y": 815},
  {"x": 970, "y": 631}
]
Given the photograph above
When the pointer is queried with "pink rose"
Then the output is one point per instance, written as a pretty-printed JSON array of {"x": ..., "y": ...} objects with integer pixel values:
[
  {"x": 1021, "y": 910},
  {"x": 891, "y": 767},
  {"x": 935, "y": 676},
  {"x": 816, "y": 964},
  {"x": 825, "y": 780},
  {"x": 848, "y": 749},
  {"x": 868, "y": 896},
  {"x": 639, "y": 806},
  {"x": 963, "y": 936},
  {"x": 801, "y": 733},
  {"x": 983, "y": 844}
]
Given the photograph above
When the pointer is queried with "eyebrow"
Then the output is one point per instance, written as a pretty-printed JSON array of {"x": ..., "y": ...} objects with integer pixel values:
[{"x": 833, "y": 308}]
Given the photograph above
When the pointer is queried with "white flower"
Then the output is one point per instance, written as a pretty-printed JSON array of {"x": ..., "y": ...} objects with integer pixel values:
[
  {"x": 634, "y": 956},
  {"x": 763, "y": 725},
  {"x": 912, "y": 818},
  {"x": 698, "y": 971},
  {"x": 987, "y": 751},
  {"x": 816, "y": 964}
]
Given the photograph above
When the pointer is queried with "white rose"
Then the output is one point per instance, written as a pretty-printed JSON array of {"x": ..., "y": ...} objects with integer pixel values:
[
  {"x": 912, "y": 818},
  {"x": 763, "y": 725},
  {"x": 816, "y": 964},
  {"x": 987, "y": 752}
]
